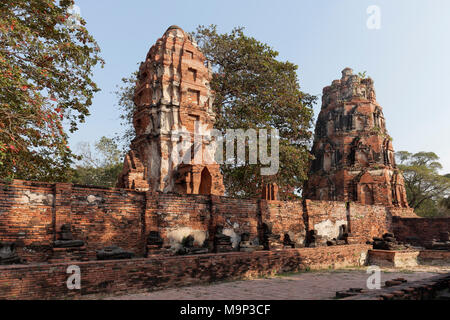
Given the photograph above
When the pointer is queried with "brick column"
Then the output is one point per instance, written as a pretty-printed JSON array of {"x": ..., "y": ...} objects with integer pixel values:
[
  {"x": 61, "y": 205},
  {"x": 149, "y": 220}
]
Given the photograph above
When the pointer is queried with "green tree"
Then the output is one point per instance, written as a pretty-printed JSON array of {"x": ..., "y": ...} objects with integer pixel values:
[
  {"x": 124, "y": 94},
  {"x": 426, "y": 189},
  {"x": 253, "y": 90},
  {"x": 46, "y": 63},
  {"x": 99, "y": 167}
]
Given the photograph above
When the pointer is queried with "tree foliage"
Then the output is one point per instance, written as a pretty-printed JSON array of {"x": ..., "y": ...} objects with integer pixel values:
[
  {"x": 427, "y": 191},
  {"x": 124, "y": 94},
  {"x": 255, "y": 90},
  {"x": 99, "y": 166},
  {"x": 46, "y": 68}
]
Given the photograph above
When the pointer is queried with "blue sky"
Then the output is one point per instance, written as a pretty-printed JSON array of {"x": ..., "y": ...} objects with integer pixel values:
[{"x": 408, "y": 57}]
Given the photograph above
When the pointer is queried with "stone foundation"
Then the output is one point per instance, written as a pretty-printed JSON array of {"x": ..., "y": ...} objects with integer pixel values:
[
  {"x": 396, "y": 259},
  {"x": 48, "y": 281},
  {"x": 408, "y": 258},
  {"x": 434, "y": 257}
]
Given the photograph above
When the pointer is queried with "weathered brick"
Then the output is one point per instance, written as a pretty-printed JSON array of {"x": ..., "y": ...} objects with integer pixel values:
[{"x": 354, "y": 156}]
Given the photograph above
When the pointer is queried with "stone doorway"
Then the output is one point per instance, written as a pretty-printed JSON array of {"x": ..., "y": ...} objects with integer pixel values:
[
  {"x": 205, "y": 182},
  {"x": 366, "y": 195}
]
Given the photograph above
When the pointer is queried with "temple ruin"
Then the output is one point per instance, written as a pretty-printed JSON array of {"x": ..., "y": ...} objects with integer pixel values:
[
  {"x": 354, "y": 156},
  {"x": 173, "y": 103},
  {"x": 168, "y": 223}
]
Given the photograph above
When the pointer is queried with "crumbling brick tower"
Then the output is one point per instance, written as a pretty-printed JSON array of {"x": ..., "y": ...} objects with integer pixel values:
[
  {"x": 354, "y": 157},
  {"x": 173, "y": 102}
]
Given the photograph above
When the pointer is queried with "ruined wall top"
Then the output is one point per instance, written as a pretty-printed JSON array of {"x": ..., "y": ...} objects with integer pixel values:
[
  {"x": 353, "y": 152},
  {"x": 349, "y": 87},
  {"x": 175, "y": 72}
]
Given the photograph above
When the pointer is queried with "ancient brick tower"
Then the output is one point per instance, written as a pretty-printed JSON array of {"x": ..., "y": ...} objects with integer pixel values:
[
  {"x": 173, "y": 102},
  {"x": 354, "y": 157}
]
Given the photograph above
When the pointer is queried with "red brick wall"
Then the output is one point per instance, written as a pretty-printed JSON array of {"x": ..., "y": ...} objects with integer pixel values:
[
  {"x": 425, "y": 229},
  {"x": 103, "y": 217},
  {"x": 31, "y": 212},
  {"x": 237, "y": 215},
  {"x": 26, "y": 217},
  {"x": 364, "y": 221},
  {"x": 48, "y": 281},
  {"x": 285, "y": 217},
  {"x": 368, "y": 221},
  {"x": 326, "y": 217},
  {"x": 179, "y": 215}
]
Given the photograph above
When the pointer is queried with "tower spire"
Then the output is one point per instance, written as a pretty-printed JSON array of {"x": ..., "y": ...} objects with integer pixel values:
[
  {"x": 354, "y": 156},
  {"x": 173, "y": 104}
]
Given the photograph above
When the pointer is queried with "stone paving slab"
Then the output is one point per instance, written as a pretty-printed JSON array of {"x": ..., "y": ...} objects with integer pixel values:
[{"x": 301, "y": 286}]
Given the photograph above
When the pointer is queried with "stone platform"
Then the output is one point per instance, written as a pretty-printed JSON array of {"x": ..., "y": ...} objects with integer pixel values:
[
  {"x": 434, "y": 257},
  {"x": 391, "y": 258},
  {"x": 408, "y": 258},
  {"x": 49, "y": 281}
]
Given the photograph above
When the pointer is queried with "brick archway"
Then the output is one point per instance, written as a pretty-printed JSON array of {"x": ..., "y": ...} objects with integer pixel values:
[{"x": 205, "y": 182}]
